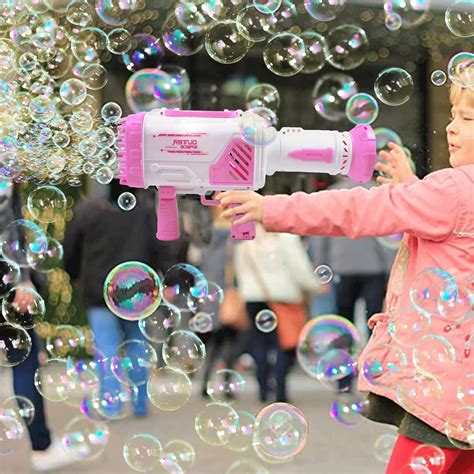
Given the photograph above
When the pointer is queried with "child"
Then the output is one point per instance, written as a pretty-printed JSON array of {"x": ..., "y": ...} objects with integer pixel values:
[{"x": 437, "y": 216}]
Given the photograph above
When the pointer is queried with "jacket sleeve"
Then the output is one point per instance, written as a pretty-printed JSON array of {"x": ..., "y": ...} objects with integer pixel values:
[{"x": 425, "y": 208}]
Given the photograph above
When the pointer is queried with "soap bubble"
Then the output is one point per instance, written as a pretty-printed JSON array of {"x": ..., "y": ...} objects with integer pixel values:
[
  {"x": 346, "y": 47},
  {"x": 87, "y": 373},
  {"x": 412, "y": 13},
  {"x": 335, "y": 365},
  {"x": 23, "y": 306},
  {"x": 331, "y": 93},
  {"x": 222, "y": 9},
  {"x": 179, "y": 78},
  {"x": 189, "y": 17},
  {"x": 216, "y": 423},
  {"x": 119, "y": 41},
  {"x": 79, "y": 13},
  {"x": 150, "y": 89},
  {"x": 142, "y": 452},
  {"x": 253, "y": 24},
  {"x": 438, "y": 78},
  {"x": 284, "y": 19},
  {"x": 159, "y": 325},
  {"x": 263, "y": 95},
  {"x": 132, "y": 362},
  {"x": 458, "y": 69},
  {"x": 408, "y": 326},
  {"x": 242, "y": 439},
  {"x": 9, "y": 276},
  {"x": 60, "y": 139},
  {"x": 348, "y": 408},
  {"x": 20, "y": 238},
  {"x": 132, "y": 291},
  {"x": 384, "y": 447},
  {"x": 11, "y": 432},
  {"x": 460, "y": 425},
  {"x": 281, "y": 432},
  {"x": 73, "y": 91},
  {"x": 180, "y": 452},
  {"x": 434, "y": 355},
  {"x": 19, "y": 407},
  {"x": 315, "y": 58},
  {"x": 324, "y": 273},
  {"x": 225, "y": 386},
  {"x": 111, "y": 112},
  {"x": 42, "y": 109},
  {"x": 430, "y": 457},
  {"x": 15, "y": 345},
  {"x": 284, "y": 54},
  {"x": 183, "y": 350},
  {"x": 320, "y": 335},
  {"x": 208, "y": 304},
  {"x": 465, "y": 389},
  {"x": 127, "y": 201},
  {"x": 83, "y": 439},
  {"x": 145, "y": 53},
  {"x": 104, "y": 175},
  {"x": 394, "y": 86},
  {"x": 181, "y": 282},
  {"x": 95, "y": 77},
  {"x": 457, "y": 306},
  {"x": 362, "y": 109},
  {"x": 47, "y": 204},
  {"x": 393, "y": 21},
  {"x": 107, "y": 156},
  {"x": 225, "y": 42},
  {"x": 65, "y": 340},
  {"x": 266, "y": 321},
  {"x": 257, "y": 128},
  {"x": 182, "y": 40},
  {"x": 324, "y": 10},
  {"x": 459, "y": 19},
  {"x": 419, "y": 394},
  {"x": 267, "y": 6},
  {"x": 115, "y": 12},
  {"x": 201, "y": 322},
  {"x": 51, "y": 380},
  {"x": 383, "y": 359},
  {"x": 169, "y": 389},
  {"x": 89, "y": 44}
]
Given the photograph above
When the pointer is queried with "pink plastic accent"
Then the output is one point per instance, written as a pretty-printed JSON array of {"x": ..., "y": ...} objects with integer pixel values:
[
  {"x": 201, "y": 113},
  {"x": 131, "y": 150},
  {"x": 168, "y": 223},
  {"x": 245, "y": 231},
  {"x": 364, "y": 153},
  {"x": 209, "y": 202},
  {"x": 313, "y": 154},
  {"x": 235, "y": 166}
]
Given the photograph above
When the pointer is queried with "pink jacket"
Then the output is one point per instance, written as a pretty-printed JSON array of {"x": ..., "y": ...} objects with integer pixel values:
[{"x": 437, "y": 216}]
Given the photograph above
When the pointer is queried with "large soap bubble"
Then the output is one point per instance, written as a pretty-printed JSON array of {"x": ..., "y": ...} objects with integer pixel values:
[{"x": 347, "y": 47}]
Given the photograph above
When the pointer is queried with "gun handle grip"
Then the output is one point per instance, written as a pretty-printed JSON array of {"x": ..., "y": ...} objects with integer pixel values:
[
  {"x": 245, "y": 231},
  {"x": 168, "y": 223}
]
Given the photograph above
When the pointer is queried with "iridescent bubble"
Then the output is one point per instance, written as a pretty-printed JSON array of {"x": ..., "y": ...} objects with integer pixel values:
[
  {"x": 89, "y": 44},
  {"x": 266, "y": 321},
  {"x": 362, "y": 109},
  {"x": 346, "y": 47},
  {"x": 222, "y": 9},
  {"x": 242, "y": 439},
  {"x": 324, "y": 10},
  {"x": 81, "y": 122},
  {"x": 225, "y": 386},
  {"x": 142, "y": 452},
  {"x": 19, "y": 407},
  {"x": 419, "y": 394},
  {"x": 225, "y": 42},
  {"x": 384, "y": 446},
  {"x": 61, "y": 140},
  {"x": 459, "y": 19},
  {"x": 430, "y": 457},
  {"x": 111, "y": 112},
  {"x": 11, "y": 433},
  {"x": 179, "y": 78},
  {"x": 284, "y": 54},
  {"x": 331, "y": 93},
  {"x": 119, "y": 41},
  {"x": 434, "y": 355},
  {"x": 127, "y": 201},
  {"x": 104, "y": 137},
  {"x": 438, "y": 77},
  {"x": 180, "y": 452},
  {"x": 348, "y": 408},
  {"x": 412, "y": 13},
  {"x": 459, "y": 68},
  {"x": 150, "y": 89},
  {"x": 267, "y": 6},
  {"x": 182, "y": 282},
  {"x": 284, "y": 19},
  {"x": 252, "y": 24},
  {"x": 73, "y": 91},
  {"x": 182, "y": 40},
  {"x": 457, "y": 306},
  {"x": 107, "y": 157},
  {"x": 465, "y": 389},
  {"x": 257, "y": 126},
  {"x": 9, "y": 276},
  {"x": 87, "y": 372},
  {"x": 315, "y": 57},
  {"x": 201, "y": 322},
  {"x": 104, "y": 175},
  {"x": 15, "y": 345},
  {"x": 132, "y": 291},
  {"x": 460, "y": 426},
  {"x": 393, "y": 21},
  {"x": 95, "y": 77},
  {"x": 145, "y": 53},
  {"x": 115, "y": 12},
  {"x": 47, "y": 204},
  {"x": 51, "y": 380},
  {"x": 83, "y": 439},
  {"x": 335, "y": 365},
  {"x": 42, "y": 109},
  {"x": 324, "y": 273},
  {"x": 189, "y": 17},
  {"x": 321, "y": 334},
  {"x": 209, "y": 303},
  {"x": 281, "y": 432},
  {"x": 394, "y": 86},
  {"x": 169, "y": 389},
  {"x": 407, "y": 327},
  {"x": 20, "y": 238},
  {"x": 183, "y": 350},
  {"x": 216, "y": 423},
  {"x": 132, "y": 362},
  {"x": 65, "y": 340},
  {"x": 79, "y": 13},
  {"x": 384, "y": 359},
  {"x": 23, "y": 306},
  {"x": 159, "y": 325},
  {"x": 263, "y": 95}
]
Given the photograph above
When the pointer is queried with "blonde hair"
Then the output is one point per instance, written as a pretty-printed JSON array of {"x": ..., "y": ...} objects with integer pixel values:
[{"x": 460, "y": 94}]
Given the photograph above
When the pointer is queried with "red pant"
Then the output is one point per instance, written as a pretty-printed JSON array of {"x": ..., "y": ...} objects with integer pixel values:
[{"x": 458, "y": 461}]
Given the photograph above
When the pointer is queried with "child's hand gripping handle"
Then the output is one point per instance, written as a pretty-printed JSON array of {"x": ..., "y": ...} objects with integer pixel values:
[
  {"x": 168, "y": 222},
  {"x": 244, "y": 231}
]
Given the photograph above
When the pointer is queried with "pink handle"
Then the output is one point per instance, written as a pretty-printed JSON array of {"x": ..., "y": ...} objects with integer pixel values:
[
  {"x": 168, "y": 224},
  {"x": 313, "y": 154},
  {"x": 245, "y": 231}
]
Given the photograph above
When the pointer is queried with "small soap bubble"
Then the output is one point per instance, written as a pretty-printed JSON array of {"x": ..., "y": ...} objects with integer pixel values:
[
  {"x": 284, "y": 54},
  {"x": 216, "y": 423},
  {"x": 348, "y": 408},
  {"x": 119, "y": 41},
  {"x": 226, "y": 42},
  {"x": 9, "y": 276},
  {"x": 201, "y": 322},
  {"x": 362, "y": 109},
  {"x": 127, "y": 201},
  {"x": 142, "y": 452},
  {"x": 324, "y": 10},
  {"x": 23, "y": 306},
  {"x": 263, "y": 95},
  {"x": 15, "y": 345},
  {"x": 225, "y": 386},
  {"x": 145, "y": 52},
  {"x": 104, "y": 175},
  {"x": 384, "y": 446},
  {"x": 169, "y": 389},
  {"x": 159, "y": 325},
  {"x": 459, "y": 68},
  {"x": 438, "y": 78},
  {"x": 19, "y": 407},
  {"x": 393, "y": 22},
  {"x": 394, "y": 86},
  {"x": 266, "y": 321},
  {"x": 459, "y": 18},
  {"x": 183, "y": 350},
  {"x": 111, "y": 112},
  {"x": 324, "y": 273},
  {"x": 73, "y": 91}
]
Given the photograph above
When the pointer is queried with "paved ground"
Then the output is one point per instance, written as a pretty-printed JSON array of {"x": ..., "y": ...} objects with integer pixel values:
[{"x": 331, "y": 448}]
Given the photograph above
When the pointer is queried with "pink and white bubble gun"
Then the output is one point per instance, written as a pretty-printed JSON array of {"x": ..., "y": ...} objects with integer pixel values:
[{"x": 201, "y": 152}]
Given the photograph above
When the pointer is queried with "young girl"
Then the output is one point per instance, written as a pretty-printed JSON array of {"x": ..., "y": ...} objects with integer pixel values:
[{"x": 437, "y": 216}]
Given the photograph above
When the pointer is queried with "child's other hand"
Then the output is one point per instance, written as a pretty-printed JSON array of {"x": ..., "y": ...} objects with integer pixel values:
[
  {"x": 397, "y": 166},
  {"x": 249, "y": 204}
]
